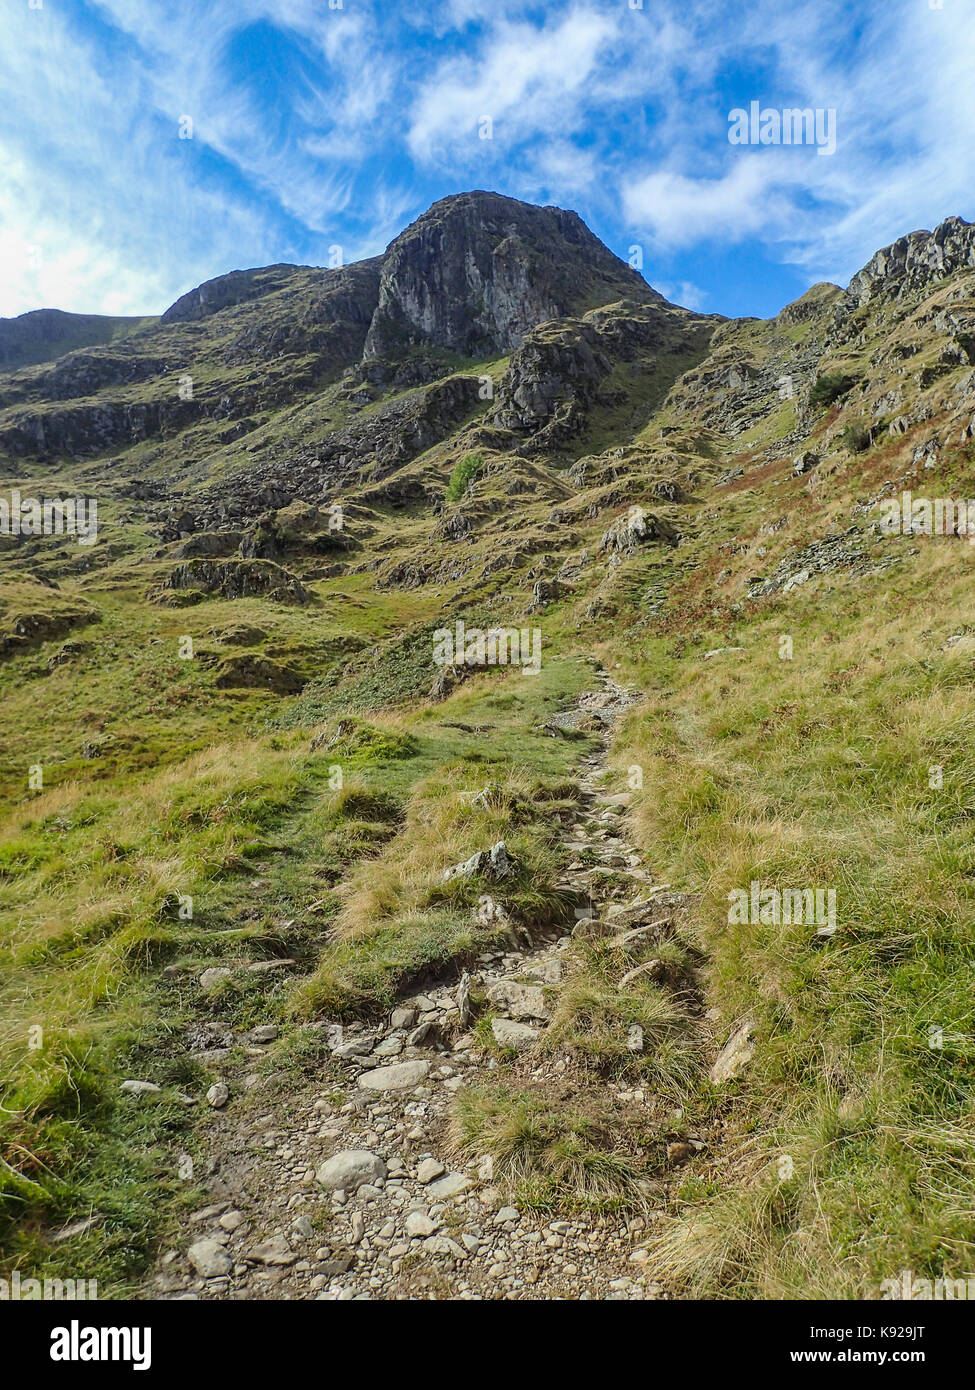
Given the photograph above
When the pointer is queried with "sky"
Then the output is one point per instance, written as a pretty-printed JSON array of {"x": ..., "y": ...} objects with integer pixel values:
[{"x": 148, "y": 145}]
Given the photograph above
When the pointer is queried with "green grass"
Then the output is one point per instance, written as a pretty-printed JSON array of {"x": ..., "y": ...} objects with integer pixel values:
[
  {"x": 318, "y": 827},
  {"x": 811, "y": 772},
  {"x": 549, "y": 1153},
  {"x": 255, "y": 827}
]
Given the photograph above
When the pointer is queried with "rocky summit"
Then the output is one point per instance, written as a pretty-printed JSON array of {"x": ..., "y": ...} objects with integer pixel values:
[{"x": 486, "y": 764}]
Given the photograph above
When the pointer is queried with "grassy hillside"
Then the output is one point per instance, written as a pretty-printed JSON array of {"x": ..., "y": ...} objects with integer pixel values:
[
  {"x": 227, "y": 745},
  {"x": 845, "y": 1152}
]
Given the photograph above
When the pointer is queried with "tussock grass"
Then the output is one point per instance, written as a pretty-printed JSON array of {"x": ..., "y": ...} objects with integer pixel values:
[
  {"x": 547, "y": 1152},
  {"x": 90, "y": 883},
  {"x": 94, "y": 872},
  {"x": 816, "y": 772},
  {"x": 397, "y": 917},
  {"x": 594, "y": 1017},
  {"x": 566, "y": 1146}
]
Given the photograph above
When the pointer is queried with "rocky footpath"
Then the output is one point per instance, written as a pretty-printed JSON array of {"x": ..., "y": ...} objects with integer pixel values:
[{"x": 349, "y": 1187}]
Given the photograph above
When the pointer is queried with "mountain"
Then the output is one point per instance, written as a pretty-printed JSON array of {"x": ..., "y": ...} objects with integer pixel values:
[
  {"x": 469, "y": 279},
  {"x": 477, "y": 272},
  {"x": 655, "y": 931},
  {"x": 45, "y": 334}
]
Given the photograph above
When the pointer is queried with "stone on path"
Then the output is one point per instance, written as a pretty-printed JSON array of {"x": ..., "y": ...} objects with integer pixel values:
[
  {"x": 275, "y": 1251},
  {"x": 464, "y": 999},
  {"x": 735, "y": 1055},
  {"x": 452, "y": 1185},
  {"x": 429, "y": 1169},
  {"x": 401, "y": 1076},
  {"x": 209, "y": 1258},
  {"x": 348, "y": 1170},
  {"x": 516, "y": 1035},
  {"x": 218, "y": 1095},
  {"x": 521, "y": 1001},
  {"x": 420, "y": 1225}
]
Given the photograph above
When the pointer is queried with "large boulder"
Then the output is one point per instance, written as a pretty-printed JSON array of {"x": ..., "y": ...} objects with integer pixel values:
[
  {"x": 348, "y": 1170},
  {"x": 239, "y": 579},
  {"x": 636, "y": 527}
]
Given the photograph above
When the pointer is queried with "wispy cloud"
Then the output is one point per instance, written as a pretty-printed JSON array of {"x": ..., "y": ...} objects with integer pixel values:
[
  {"x": 895, "y": 76},
  {"x": 527, "y": 80},
  {"x": 315, "y": 126},
  {"x": 680, "y": 210}
]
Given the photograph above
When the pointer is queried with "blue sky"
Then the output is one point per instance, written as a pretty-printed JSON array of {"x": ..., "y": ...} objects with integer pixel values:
[{"x": 333, "y": 123}]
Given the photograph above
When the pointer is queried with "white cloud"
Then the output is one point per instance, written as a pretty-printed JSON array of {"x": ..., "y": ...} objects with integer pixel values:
[
  {"x": 560, "y": 170},
  {"x": 526, "y": 81},
  {"x": 103, "y": 208},
  {"x": 685, "y": 293},
  {"x": 905, "y": 109},
  {"x": 680, "y": 211},
  {"x": 621, "y": 113}
]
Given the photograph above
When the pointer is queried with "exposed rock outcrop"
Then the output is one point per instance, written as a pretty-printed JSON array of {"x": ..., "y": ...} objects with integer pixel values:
[
  {"x": 250, "y": 672},
  {"x": 236, "y": 287},
  {"x": 560, "y": 370},
  {"x": 916, "y": 261},
  {"x": 634, "y": 528},
  {"x": 239, "y": 579},
  {"x": 478, "y": 271}
]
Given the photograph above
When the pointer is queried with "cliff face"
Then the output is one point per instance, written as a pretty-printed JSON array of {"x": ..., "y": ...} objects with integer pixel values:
[
  {"x": 477, "y": 272},
  {"x": 473, "y": 277},
  {"x": 298, "y": 379}
]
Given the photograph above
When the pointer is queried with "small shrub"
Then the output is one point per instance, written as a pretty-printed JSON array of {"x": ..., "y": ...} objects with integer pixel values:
[
  {"x": 828, "y": 388},
  {"x": 856, "y": 437},
  {"x": 462, "y": 476}
]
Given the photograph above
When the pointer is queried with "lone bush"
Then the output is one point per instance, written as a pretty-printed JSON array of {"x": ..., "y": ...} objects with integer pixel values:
[
  {"x": 828, "y": 388},
  {"x": 460, "y": 479}
]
